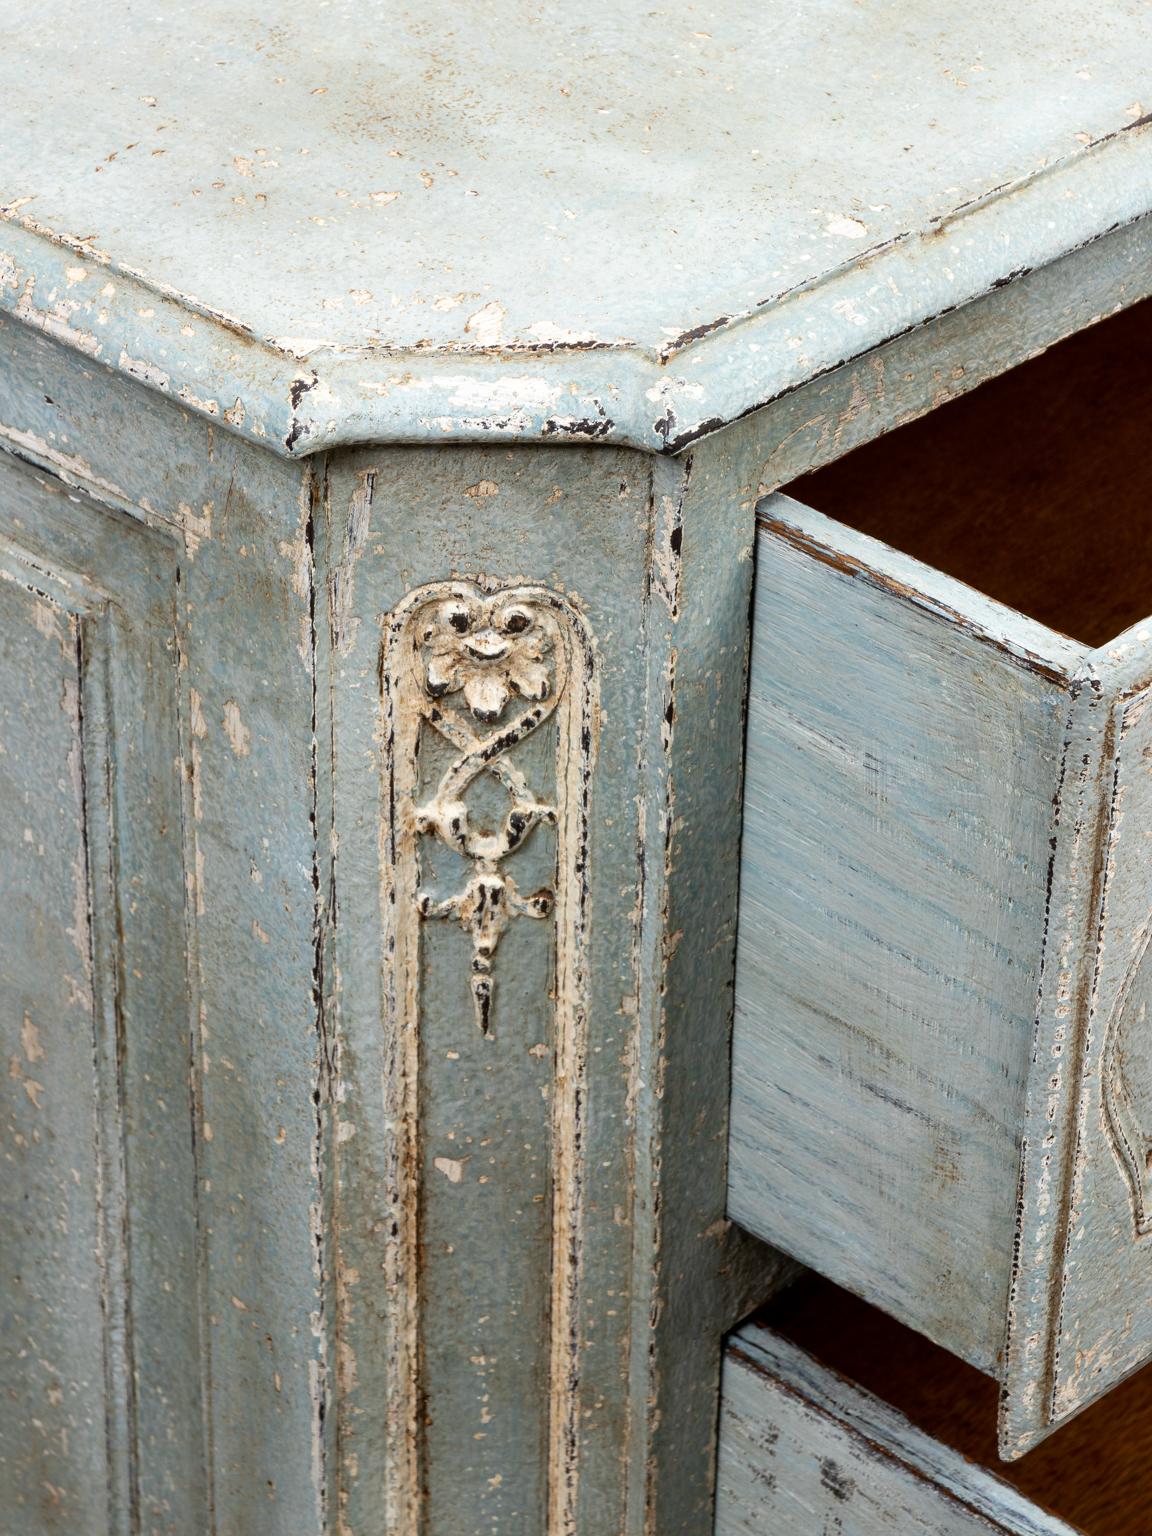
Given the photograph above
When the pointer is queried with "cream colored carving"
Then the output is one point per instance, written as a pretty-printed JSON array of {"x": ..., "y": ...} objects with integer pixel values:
[{"x": 481, "y": 669}]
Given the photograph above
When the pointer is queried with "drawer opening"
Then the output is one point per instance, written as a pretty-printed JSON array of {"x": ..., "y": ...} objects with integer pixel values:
[
  {"x": 1035, "y": 488},
  {"x": 1091, "y": 1473}
]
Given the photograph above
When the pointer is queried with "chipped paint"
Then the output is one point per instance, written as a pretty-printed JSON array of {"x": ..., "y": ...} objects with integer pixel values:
[{"x": 959, "y": 212}]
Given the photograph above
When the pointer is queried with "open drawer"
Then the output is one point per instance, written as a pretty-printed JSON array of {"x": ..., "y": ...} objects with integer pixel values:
[
  {"x": 834, "y": 1418},
  {"x": 803, "y": 1451},
  {"x": 942, "y": 1072}
]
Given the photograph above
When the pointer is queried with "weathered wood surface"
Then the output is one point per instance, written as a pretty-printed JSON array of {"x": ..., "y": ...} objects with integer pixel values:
[
  {"x": 410, "y": 225},
  {"x": 904, "y": 743},
  {"x": 531, "y": 1236},
  {"x": 1092, "y": 1474},
  {"x": 290, "y": 1417},
  {"x": 364, "y": 1307},
  {"x": 1079, "y": 1319},
  {"x": 803, "y": 1451},
  {"x": 925, "y": 368},
  {"x": 102, "y": 1377},
  {"x": 231, "y": 1395},
  {"x": 940, "y": 1082}
]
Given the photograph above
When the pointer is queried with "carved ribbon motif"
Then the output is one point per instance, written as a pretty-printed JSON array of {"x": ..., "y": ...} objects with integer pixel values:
[
  {"x": 485, "y": 670},
  {"x": 486, "y": 692}
]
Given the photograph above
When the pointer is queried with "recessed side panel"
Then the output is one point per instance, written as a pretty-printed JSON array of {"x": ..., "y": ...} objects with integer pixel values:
[
  {"x": 1081, "y": 1314},
  {"x": 102, "y": 1425},
  {"x": 904, "y": 742},
  {"x": 50, "y": 1207}
]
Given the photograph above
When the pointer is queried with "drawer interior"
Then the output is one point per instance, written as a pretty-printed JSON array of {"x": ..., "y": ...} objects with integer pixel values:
[
  {"x": 1092, "y": 1473},
  {"x": 1035, "y": 488}
]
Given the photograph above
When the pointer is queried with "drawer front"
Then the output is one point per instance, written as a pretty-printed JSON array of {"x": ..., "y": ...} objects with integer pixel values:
[
  {"x": 940, "y": 1091},
  {"x": 802, "y": 1451}
]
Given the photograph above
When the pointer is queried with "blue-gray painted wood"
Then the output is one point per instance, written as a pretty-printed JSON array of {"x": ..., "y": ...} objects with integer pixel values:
[
  {"x": 100, "y": 1432},
  {"x": 406, "y": 225},
  {"x": 155, "y": 365},
  {"x": 905, "y": 738},
  {"x": 454, "y": 1382},
  {"x": 1081, "y": 1288},
  {"x": 246, "y": 1396},
  {"x": 940, "y": 1095},
  {"x": 803, "y": 1450},
  {"x": 927, "y": 367},
  {"x": 287, "y": 1369}
]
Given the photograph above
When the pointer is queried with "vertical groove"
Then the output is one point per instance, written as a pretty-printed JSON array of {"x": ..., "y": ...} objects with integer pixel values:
[
  {"x": 195, "y": 1064},
  {"x": 322, "y": 1090}
]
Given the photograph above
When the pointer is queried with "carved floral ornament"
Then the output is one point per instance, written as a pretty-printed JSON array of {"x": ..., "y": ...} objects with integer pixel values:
[{"x": 485, "y": 669}]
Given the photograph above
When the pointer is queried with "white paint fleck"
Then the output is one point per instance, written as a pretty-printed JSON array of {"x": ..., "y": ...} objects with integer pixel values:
[
  {"x": 238, "y": 734},
  {"x": 849, "y": 228},
  {"x": 487, "y": 324},
  {"x": 450, "y": 1167},
  {"x": 557, "y": 335},
  {"x": 30, "y": 1040}
]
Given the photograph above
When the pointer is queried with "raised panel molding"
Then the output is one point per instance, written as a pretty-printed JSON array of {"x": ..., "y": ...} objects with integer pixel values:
[
  {"x": 101, "y": 1429},
  {"x": 474, "y": 674},
  {"x": 529, "y": 690}
]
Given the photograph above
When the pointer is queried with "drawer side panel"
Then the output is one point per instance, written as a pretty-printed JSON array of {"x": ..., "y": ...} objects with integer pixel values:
[{"x": 902, "y": 763}]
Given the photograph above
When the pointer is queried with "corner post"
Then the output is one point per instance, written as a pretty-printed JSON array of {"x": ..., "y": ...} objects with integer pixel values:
[{"x": 531, "y": 690}]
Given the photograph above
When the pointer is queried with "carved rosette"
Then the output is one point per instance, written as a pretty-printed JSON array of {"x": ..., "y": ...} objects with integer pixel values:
[
  {"x": 483, "y": 670},
  {"x": 488, "y": 699}
]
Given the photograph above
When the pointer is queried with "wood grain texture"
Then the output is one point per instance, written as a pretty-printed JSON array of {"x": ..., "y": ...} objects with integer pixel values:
[
  {"x": 905, "y": 738},
  {"x": 527, "y": 268},
  {"x": 1031, "y": 489},
  {"x": 281, "y": 812},
  {"x": 251, "y": 1386},
  {"x": 1081, "y": 1288},
  {"x": 918, "y": 372},
  {"x": 1092, "y": 1473},
  {"x": 802, "y": 1450}
]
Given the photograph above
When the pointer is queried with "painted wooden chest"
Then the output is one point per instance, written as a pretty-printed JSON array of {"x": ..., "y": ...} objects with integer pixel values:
[{"x": 394, "y": 406}]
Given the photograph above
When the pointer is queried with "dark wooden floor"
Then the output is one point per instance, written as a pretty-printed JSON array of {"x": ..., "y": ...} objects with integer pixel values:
[{"x": 1095, "y": 1472}]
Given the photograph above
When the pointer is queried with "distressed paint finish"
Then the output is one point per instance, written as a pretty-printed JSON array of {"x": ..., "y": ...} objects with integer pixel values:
[
  {"x": 930, "y": 365},
  {"x": 341, "y": 257},
  {"x": 1081, "y": 1290},
  {"x": 544, "y": 1357},
  {"x": 942, "y": 994},
  {"x": 289, "y": 1309},
  {"x": 245, "y": 1395},
  {"x": 802, "y": 1450},
  {"x": 905, "y": 739},
  {"x": 104, "y": 1382},
  {"x": 391, "y": 1323}
]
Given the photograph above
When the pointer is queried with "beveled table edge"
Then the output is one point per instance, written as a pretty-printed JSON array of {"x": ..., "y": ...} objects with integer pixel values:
[{"x": 298, "y": 404}]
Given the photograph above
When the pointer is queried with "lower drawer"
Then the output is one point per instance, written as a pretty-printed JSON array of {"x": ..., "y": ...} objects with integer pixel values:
[
  {"x": 942, "y": 1064},
  {"x": 805, "y": 1453}
]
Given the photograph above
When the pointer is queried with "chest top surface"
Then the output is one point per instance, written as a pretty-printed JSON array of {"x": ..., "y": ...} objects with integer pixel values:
[{"x": 343, "y": 221}]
